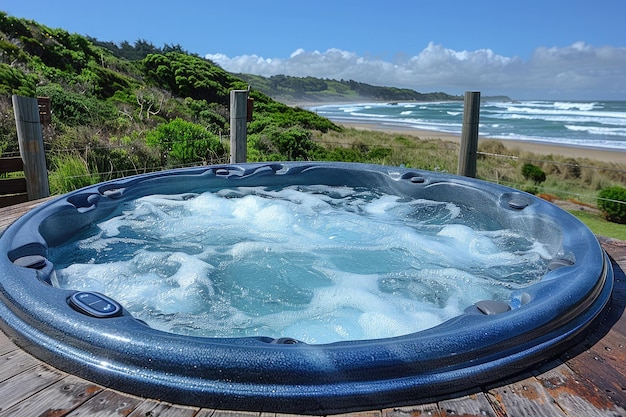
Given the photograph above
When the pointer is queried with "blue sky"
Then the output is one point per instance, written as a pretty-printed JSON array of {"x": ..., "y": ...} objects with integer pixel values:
[{"x": 527, "y": 49}]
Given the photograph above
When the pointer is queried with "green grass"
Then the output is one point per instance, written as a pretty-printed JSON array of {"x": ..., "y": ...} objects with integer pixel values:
[{"x": 599, "y": 226}]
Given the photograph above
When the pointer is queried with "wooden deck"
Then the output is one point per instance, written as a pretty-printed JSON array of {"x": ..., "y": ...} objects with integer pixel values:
[{"x": 588, "y": 380}]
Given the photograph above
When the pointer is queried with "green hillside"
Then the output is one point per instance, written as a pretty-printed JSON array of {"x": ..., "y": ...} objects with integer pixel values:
[
  {"x": 289, "y": 89},
  {"x": 119, "y": 110},
  {"x": 124, "y": 109}
]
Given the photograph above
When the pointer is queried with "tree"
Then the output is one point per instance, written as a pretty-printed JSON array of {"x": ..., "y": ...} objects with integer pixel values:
[{"x": 189, "y": 76}]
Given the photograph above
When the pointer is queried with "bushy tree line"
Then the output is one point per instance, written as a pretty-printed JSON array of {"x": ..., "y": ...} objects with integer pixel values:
[
  {"x": 297, "y": 85},
  {"x": 311, "y": 88},
  {"x": 137, "y": 51},
  {"x": 395, "y": 94}
]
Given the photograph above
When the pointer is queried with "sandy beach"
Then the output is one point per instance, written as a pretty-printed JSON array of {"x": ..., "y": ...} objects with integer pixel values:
[{"x": 534, "y": 147}]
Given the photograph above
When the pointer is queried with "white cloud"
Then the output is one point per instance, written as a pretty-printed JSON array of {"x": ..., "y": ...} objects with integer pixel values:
[{"x": 576, "y": 71}]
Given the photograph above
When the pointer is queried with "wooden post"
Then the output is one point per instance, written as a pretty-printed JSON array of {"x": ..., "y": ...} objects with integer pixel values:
[
  {"x": 30, "y": 141},
  {"x": 238, "y": 125},
  {"x": 469, "y": 135}
]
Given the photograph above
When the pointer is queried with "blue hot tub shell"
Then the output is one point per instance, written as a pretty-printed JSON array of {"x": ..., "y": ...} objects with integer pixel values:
[{"x": 490, "y": 341}]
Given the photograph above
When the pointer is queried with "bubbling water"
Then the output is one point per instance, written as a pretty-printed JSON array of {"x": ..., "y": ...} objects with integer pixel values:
[{"x": 316, "y": 263}]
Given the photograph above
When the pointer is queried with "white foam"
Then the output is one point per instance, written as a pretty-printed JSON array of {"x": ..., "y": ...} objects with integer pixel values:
[
  {"x": 316, "y": 263},
  {"x": 579, "y": 106},
  {"x": 531, "y": 120},
  {"x": 598, "y": 130}
]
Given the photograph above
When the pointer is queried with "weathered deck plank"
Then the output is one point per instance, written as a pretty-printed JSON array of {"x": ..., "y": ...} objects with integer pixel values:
[
  {"x": 612, "y": 349},
  {"x": 229, "y": 413},
  {"x": 525, "y": 397},
  {"x": 57, "y": 400},
  {"x": 161, "y": 409},
  {"x": 26, "y": 384},
  {"x": 469, "y": 405},
  {"x": 11, "y": 213},
  {"x": 15, "y": 362},
  {"x": 107, "y": 403},
  {"x": 372, "y": 413},
  {"x": 587, "y": 380},
  {"x": 601, "y": 374},
  {"x": 430, "y": 410},
  {"x": 576, "y": 395}
]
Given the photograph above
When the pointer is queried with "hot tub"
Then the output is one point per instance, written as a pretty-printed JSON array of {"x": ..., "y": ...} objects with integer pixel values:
[{"x": 94, "y": 336}]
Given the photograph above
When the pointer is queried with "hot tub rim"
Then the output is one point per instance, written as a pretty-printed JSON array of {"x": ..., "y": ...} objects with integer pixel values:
[{"x": 10, "y": 297}]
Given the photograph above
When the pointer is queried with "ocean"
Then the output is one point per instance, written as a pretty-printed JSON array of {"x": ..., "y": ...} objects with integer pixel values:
[{"x": 587, "y": 124}]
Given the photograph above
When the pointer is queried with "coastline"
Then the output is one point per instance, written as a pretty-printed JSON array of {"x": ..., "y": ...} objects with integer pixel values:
[{"x": 540, "y": 148}]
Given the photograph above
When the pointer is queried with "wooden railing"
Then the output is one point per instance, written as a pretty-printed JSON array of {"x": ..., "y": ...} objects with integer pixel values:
[{"x": 12, "y": 190}]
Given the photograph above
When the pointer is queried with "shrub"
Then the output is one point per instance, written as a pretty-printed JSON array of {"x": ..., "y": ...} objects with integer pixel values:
[
  {"x": 14, "y": 81},
  {"x": 182, "y": 142},
  {"x": 379, "y": 153},
  {"x": 342, "y": 154},
  {"x": 76, "y": 109},
  {"x": 294, "y": 143},
  {"x": 612, "y": 202},
  {"x": 533, "y": 173}
]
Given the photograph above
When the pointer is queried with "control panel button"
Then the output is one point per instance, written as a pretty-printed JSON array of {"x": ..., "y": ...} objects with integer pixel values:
[{"x": 94, "y": 304}]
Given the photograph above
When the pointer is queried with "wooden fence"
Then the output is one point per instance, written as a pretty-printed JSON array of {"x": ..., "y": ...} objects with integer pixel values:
[{"x": 13, "y": 190}]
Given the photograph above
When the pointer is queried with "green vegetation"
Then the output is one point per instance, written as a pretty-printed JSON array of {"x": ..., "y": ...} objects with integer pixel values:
[
  {"x": 353, "y": 145},
  {"x": 309, "y": 89},
  {"x": 181, "y": 142},
  {"x": 612, "y": 202},
  {"x": 120, "y": 110},
  {"x": 533, "y": 173},
  {"x": 70, "y": 173},
  {"x": 600, "y": 226}
]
